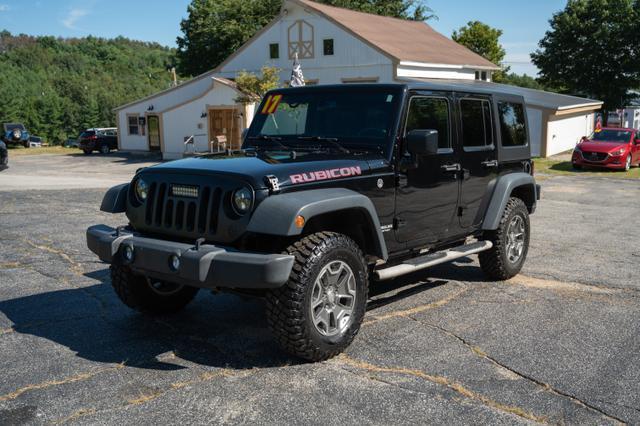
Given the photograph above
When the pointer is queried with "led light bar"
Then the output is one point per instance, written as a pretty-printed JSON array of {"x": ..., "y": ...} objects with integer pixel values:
[{"x": 185, "y": 191}]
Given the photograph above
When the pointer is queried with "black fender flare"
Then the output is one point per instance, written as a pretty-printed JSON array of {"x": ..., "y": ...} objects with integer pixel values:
[
  {"x": 503, "y": 189},
  {"x": 115, "y": 200},
  {"x": 276, "y": 215}
]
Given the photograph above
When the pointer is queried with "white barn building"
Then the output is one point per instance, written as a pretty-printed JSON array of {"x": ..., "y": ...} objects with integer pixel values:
[{"x": 334, "y": 46}]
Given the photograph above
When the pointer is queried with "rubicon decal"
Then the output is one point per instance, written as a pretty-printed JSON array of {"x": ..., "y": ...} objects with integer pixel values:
[{"x": 326, "y": 174}]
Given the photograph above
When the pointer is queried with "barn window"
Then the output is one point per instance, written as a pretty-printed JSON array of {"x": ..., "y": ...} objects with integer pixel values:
[
  {"x": 134, "y": 126},
  {"x": 274, "y": 50},
  {"x": 327, "y": 45}
]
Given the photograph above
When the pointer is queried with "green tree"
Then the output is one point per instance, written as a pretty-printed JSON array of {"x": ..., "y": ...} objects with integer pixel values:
[
  {"x": 485, "y": 41},
  {"x": 592, "y": 50},
  {"x": 253, "y": 86},
  {"x": 57, "y": 87},
  {"x": 523, "y": 80},
  {"x": 214, "y": 29}
]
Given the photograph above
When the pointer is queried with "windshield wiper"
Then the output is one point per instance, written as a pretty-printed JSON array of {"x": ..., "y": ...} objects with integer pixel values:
[
  {"x": 328, "y": 141},
  {"x": 276, "y": 139}
]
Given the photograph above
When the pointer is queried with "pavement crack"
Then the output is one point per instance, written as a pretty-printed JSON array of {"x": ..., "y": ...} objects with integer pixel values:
[
  {"x": 76, "y": 267},
  {"x": 70, "y": 379},
  {"x": 417, "y": 309},
  {"x": 547, "y": 387},
  {"x": 440, "y": 380}
]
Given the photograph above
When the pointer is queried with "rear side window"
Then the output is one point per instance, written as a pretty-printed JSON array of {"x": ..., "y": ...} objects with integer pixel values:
[
  {"x": 87, "y": 134},
  {"x": 512, "y": 126},
  {"x": 427, "y": 113},
  {"x": 477, "y": 130}
]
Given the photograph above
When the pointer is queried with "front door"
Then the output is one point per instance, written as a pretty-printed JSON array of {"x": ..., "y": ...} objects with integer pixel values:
[
  {"x": 427, "y": 193},
  {"x": 478, "y": 155},
  {"x": 153, "y": 132},
  {"x": 224, "y": 122}
]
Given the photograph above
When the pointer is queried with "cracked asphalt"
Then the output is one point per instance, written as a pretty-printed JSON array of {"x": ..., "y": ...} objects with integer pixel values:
[{"x": 557, "y": 344}]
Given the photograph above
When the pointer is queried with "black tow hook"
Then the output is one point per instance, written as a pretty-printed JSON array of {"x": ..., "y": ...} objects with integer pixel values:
[{"x": 199, "y": 242}]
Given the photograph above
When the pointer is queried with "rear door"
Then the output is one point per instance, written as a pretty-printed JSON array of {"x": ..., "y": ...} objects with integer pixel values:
[
  {"x": 478, "y": 155},
  {"x": 427, "y": 192}
]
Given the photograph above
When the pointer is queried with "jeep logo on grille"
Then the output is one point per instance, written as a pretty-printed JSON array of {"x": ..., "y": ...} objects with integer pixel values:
[{"x": 186, "y": 191}]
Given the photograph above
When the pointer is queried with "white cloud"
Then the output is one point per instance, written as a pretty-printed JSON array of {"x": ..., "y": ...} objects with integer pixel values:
[
  {"x": 4, "y": 8},
  {"x": 73, "y": 16}
]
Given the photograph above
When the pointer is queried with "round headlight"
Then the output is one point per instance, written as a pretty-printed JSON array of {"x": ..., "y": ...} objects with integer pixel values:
[
  {"x": 242, "y": 200},
  {"x": 142, "y": 190}
]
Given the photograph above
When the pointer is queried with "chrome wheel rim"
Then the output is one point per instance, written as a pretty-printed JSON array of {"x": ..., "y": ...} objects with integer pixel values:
[
  {"x": 333, "y": 299},
  {"x": 164, "y": 288},
  {"x": 516, "y": 233},
  {"x": 628, "y": 164}
]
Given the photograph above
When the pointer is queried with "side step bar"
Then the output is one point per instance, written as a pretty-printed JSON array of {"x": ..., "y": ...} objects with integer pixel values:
[{"x": 432, "y": 259}]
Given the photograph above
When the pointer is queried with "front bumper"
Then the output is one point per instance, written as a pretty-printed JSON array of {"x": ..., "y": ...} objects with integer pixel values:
[
  {"x": 610, "y": 162},
  {"x": 208, "y": 266}
]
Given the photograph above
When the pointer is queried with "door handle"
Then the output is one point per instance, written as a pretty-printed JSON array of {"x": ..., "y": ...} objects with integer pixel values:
[
  {"x": 490, "y": 163},
  {"x": 451, "y": 167}
]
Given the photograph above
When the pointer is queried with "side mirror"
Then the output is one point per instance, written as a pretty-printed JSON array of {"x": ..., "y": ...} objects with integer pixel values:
[
  {"x": 584, "y": 139},
  {"x": 422, "y": 142}
]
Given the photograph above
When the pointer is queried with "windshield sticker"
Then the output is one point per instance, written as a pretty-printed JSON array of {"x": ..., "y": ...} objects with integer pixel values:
[
  {"x": 271, "y": 105},
  {"x": 326, "y": 174}
]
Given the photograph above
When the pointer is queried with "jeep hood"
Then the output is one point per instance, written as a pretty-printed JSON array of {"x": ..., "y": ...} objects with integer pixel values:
[{"x": 304, "y": 168}]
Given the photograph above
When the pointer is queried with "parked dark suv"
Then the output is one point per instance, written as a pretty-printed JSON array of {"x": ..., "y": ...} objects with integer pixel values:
[
  {"x": 15, "y": 134},
  {"x": 335, "y": 186},
  {"x": 102, "y": 140}
]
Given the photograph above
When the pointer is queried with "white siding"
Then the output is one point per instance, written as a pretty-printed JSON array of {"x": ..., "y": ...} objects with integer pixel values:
[
  {"x": 453, "y": 72},
  {"x": 534, "y": 120},
  {"x": 159, "y": 103},
  {"x": 184, "y": 121},
  {"x": 564, "y": 132},
  {"x": 352, "y": 58}
]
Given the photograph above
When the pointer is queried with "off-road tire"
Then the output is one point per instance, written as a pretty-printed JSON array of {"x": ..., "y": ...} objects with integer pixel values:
[
  {"x": 494, "y": 262},
  {"x": 135, "y": 292},
  {"x": 288, "y": 307}
]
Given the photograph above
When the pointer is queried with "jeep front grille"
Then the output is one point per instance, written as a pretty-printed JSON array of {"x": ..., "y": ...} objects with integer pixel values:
[{"x": 183, "y": 208}]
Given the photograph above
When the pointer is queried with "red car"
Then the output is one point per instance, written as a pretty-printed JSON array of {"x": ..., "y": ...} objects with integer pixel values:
[{"x": 609, "y": 148}]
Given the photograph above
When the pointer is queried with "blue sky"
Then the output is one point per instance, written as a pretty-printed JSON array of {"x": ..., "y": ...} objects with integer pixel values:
[{"x": 523, "y": 22}]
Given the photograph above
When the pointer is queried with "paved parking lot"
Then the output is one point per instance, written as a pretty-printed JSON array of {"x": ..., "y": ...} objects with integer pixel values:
[{"x": 557, "y": 344}]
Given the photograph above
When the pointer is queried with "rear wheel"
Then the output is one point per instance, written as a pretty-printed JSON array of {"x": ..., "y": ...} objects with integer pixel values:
[
  {"x": 510, "y": 243},
  {"x": 86, "y": 151},
  {"x": 148, "y": 295},
  {"x": 104, "y": 149},
  {"x": 318, "y": 312}
]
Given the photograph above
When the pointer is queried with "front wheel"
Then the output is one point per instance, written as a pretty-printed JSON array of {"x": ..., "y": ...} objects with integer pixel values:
[
  {"x": 104, "y": 149},
  {"x": 319, "y": 311},
  {"x": 510, "y": 243},
  {"x": 627, "y": 164},
  {"x": 148, "y": 295},
  {"x": 86, "y": 151}
]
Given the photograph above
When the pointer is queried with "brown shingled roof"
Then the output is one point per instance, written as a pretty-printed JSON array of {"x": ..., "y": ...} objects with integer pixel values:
[{"x": 401, "y": 39}]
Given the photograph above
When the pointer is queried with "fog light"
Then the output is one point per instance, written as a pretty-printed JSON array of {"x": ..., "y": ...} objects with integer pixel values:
[
  {"x": 127, "y": 253},
  {"x": 174, "y": 262}
]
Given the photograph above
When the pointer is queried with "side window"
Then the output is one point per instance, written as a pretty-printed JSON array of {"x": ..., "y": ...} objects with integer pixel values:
[
  {"x": 512, "y": 126},
  {"x": 477, "y": 129},
  {"x": 132, "y": 121},
  {"x": 430, "y": 114},
  {"x": 274, "y": 51}
]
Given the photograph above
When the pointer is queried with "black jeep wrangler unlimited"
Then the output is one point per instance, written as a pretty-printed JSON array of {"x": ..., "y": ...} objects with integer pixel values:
[{"x": 335, "y": 186}]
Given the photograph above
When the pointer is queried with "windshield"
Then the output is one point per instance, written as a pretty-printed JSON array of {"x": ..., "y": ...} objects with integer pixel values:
[
  {"x": 347, "y": 118},
  {"x": 10, "y": 127},
  {"x": 608, "y": 135}
]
